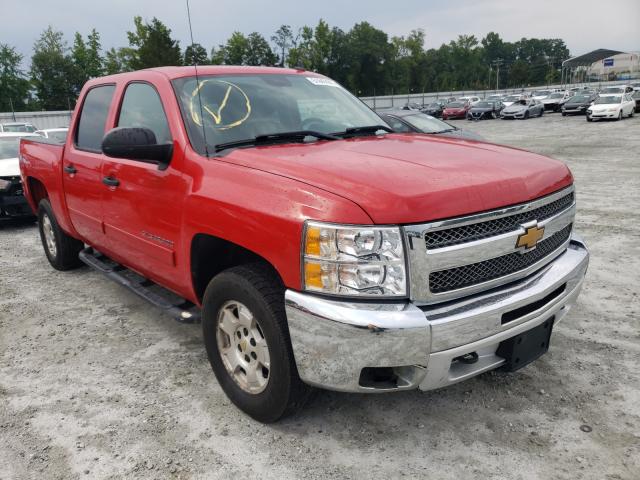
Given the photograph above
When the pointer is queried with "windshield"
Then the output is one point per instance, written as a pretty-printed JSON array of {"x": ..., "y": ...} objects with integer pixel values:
[
  {"x": 433, "y": 105},
  {"x": 556, "y": 95},
  {"x": 608, "y": 99},
  {"x": 19, "y": 128},
  {"x": 578, "y": 99},
  {"x": 511, "y": 99},
  {"x": 483, "y": 105},
  {"x": 455, "y": 105},
  {"x": 242, "y": 107},
  {"x": 542, "y": 93},
  {"x": 612, "y": 90},
  {"x": 427, "y": 124}
]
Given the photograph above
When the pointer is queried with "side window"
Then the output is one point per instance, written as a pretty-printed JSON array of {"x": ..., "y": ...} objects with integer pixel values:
[
  {"x": 141, "y": 107},
  {"x": 396, "y": 124},
  {"x": 93, "y": 118}
]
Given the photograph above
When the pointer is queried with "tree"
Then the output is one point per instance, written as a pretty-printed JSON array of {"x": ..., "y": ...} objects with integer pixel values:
[
  {"x": 118, "y": 61},
  {"x": 284, "y": 40},
  {"x": 13, "y": 84},
  {"x": 195, "y": 54},
  {"x": 52, "y": 71},
  {"x": 152, "y": 45},
  {"x": 258, "y": 51},
  {"x": 235, "y": 51},
  {"x": 87, "y": 62}
]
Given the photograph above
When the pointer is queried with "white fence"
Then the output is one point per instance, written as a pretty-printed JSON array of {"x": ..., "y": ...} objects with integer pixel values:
[{"x": 41, "y": 120}]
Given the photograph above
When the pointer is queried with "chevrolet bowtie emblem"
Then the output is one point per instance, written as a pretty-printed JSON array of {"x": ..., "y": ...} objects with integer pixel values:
[{"x": 531, "y": 236}]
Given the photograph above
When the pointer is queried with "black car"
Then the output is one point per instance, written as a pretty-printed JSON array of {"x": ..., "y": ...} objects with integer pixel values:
[
  {"x": 578, "y": 104},
  {"x": 406, "y": 121},
  {"x": 636, "y": 96},
  {"x": 484, "y": 109},
  {"x": 434, "y": 109}
]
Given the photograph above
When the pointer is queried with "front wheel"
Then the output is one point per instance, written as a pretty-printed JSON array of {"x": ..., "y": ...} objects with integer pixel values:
[
  {"x": 619, "y": 115},
  {"x": 61, "y": 249},
  {"x": 589, "y": 119},
  {"x": 247, "y": 341},
  {"x": 526, "y": 114}
]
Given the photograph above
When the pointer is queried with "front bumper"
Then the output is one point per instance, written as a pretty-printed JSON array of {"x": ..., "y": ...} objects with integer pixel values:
[
  {"x": 337, "y": 343},
  {"x": 603, "y": 114},
  {"x": 14, "y": 206}
]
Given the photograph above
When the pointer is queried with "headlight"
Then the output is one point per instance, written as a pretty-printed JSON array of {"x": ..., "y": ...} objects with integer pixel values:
[
  {"x": 5, "y": 185},
  {"x": 354, "y": 261}
]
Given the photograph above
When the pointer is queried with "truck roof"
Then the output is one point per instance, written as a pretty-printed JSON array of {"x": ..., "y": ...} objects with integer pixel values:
[{"x": 179, "y": 72}]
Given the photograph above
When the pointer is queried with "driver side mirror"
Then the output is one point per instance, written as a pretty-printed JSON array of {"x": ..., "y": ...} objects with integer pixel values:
[{"x": 137, "y": 143}]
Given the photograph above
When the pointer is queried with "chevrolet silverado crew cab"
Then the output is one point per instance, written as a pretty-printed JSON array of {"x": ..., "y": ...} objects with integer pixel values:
[{"x": 316, "y": 247}]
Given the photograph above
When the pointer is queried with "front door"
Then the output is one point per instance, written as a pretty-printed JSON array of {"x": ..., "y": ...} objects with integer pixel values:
[
  {"x": 82, "y": 168},
  {"x": 142, "y": 209}
]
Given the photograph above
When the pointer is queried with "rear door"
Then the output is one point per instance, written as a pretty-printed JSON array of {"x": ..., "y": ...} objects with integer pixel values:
[
  {"x": 143, "y": 213},
  {"x": 82, "y": 165}
]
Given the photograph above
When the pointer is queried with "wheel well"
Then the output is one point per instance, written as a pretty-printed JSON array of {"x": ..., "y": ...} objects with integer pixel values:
[
  {"x": 37, "y": 190},
  {"x": 211, "y": 255}
]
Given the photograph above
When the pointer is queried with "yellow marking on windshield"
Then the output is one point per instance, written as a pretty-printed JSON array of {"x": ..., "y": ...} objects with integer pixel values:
[{"x": 217, "y": 116}]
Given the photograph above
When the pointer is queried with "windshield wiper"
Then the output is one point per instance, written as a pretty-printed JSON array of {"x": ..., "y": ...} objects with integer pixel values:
[
  {"x": 272, "y": 138},
  {"x": 366, "y": 130}
]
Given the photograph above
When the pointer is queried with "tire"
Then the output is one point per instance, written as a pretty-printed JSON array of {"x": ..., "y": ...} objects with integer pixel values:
[
  {"x": 526, "y": 114},
  {"x": 252, "y": 291},
  {"x": 564, "y": 114},
  {"x": 619, "y": 115},
  {"x": 541, "y": 112},
  {"x": 631, "y": 113},
  {"x": 589, "y": 119},
  {"x": 60, "y": 249}
]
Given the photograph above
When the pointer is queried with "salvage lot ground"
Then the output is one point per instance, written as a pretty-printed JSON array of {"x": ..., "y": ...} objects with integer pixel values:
[{"x": 95, "y": 383}]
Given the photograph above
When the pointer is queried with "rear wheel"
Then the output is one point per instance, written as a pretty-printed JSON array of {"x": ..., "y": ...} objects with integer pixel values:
[
  {"x": 61, "y": 249},
  {"x": 247, "y": 341}
]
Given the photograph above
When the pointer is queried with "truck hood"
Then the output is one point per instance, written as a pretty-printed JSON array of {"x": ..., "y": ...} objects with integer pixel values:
[
  {"x": 412, "y": 178},
  {"x": 9, "y": 167}
]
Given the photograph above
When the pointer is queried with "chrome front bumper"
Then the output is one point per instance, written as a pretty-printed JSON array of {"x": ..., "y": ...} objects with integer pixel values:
[{"x": 333, "y": 341}]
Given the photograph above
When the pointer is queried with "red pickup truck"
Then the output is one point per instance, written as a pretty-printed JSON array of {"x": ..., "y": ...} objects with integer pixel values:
[{"x": 316, "y": 247}]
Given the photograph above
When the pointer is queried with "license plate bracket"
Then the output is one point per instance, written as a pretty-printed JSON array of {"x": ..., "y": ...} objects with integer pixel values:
[{"x": 521, "y": 350}]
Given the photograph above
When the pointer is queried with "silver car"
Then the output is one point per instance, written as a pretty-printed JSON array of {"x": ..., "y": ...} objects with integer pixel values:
[{"x": 523, "y": 109}]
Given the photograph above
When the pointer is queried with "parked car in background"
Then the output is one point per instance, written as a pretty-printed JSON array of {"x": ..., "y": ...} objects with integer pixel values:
[
  {"x": 611, "y": 107},
  {"x": 404, "y": 121},
  {"x": 472, "y": 100},
  {"x": 555, "y": 101},
  {"x": 455, "y": 110},
  {"x": 494, "y": 98},
  {"x": 540, "y": 94},
  {"x": 636, "y": 98},
  {"x": 23, "y": 127},
  {"x": 55, "y": 134},
  {"x": 578, "y": 104},
  {"x": 12, "y": 201},
  {"x": 434, "y": 109},
  {"x": 484, "y": 109},
  {"x": 523, "y": 109},
  {"x": 618, "y": 89},
  {"x": 510, "y": 99},
  {"x": 412, "y": 106}
]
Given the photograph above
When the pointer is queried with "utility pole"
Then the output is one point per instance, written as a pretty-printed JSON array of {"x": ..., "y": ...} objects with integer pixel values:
[{"x": 497, "y": 62}]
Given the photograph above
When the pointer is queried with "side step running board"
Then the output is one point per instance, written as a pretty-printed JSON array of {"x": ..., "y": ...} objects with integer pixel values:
[{"x": 180, "y": 309}]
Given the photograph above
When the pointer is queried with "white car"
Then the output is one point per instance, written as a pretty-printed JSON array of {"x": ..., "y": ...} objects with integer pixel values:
[
  {"x": 540, "y": 94},
  {"x": 611, "y": 106},
  {"x": 511, "y": 99},
  {"x": 12, "y": 201},
  {"x": 13, "y": 127},
  {"x": 555, "y": 100},
  {"x": 471, "y": 100},
  {"x": 617, "y": 89},
  {"x": 55, "y": 134}
]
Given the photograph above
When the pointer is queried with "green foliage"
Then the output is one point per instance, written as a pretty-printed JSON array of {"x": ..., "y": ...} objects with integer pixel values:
[
  {"x": 52, "y": 71},
  {"x": 195, "y": 54},
  {"x": 86, "y": 59},
  {"x": 13, "y": 84},
  {"x": 152, "y": 45},
  {"x": 241, "y": 50}
]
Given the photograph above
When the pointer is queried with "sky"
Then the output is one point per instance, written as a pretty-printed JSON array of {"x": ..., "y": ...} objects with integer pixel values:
[{"x": 583, "y": 24}]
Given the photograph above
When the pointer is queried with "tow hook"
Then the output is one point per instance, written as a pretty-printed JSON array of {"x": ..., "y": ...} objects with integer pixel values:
[{"x": 467, "y": 358}]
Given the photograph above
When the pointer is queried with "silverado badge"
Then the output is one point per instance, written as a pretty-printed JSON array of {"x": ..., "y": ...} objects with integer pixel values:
[{"x": 531, "y": 236}]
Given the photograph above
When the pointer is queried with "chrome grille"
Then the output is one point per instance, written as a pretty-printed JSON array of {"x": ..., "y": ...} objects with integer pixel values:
[
  {"x": 478, "y": 231},
  {"x": 467, "y": 275}
]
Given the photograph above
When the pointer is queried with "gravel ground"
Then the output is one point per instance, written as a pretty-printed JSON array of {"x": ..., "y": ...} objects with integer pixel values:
[{"x": 95, "y": 383}]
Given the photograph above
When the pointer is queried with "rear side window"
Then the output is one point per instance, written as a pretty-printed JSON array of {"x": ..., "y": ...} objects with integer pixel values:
[
  {"x": 93, "y": 118},
  {"x": 141, "y": 107}
]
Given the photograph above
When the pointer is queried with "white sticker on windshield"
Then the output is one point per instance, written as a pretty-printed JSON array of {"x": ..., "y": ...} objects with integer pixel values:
[{"x": 327, "y": 82}]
